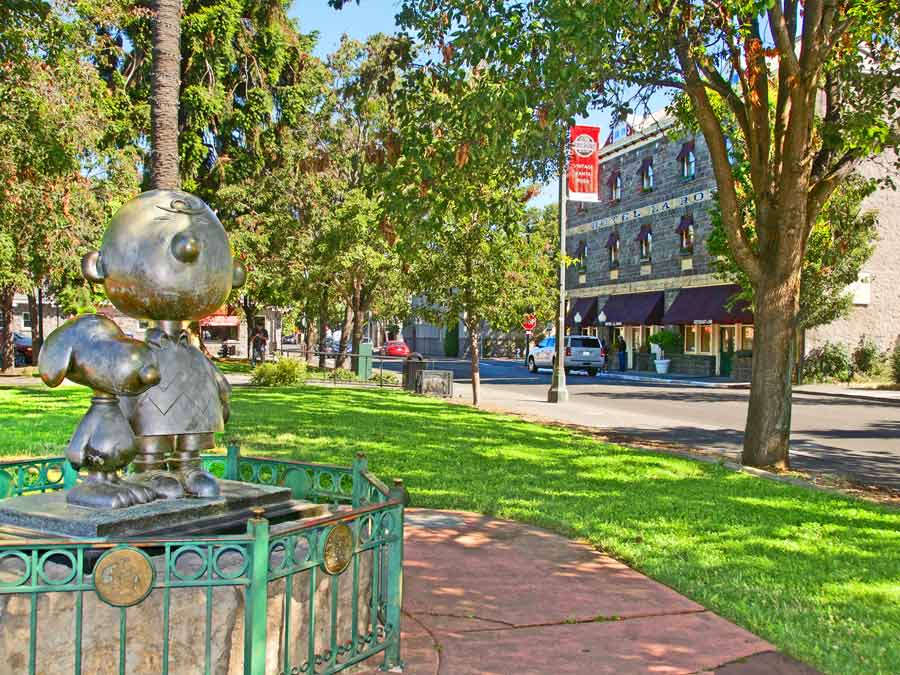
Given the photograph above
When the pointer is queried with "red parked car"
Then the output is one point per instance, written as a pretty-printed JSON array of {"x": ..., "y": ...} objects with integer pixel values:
[{"x": 396, "y": 348}]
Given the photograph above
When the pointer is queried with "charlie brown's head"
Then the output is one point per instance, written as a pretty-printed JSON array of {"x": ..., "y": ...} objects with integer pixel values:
[{"x": 165, "y": 256}]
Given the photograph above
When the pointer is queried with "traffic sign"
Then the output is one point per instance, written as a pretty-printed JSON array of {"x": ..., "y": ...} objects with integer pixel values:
[{"x": 529, "y": 322}]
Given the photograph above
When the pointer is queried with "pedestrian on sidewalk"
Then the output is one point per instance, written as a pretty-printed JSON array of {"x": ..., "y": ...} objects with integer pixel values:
[
  {"x": 604, "y": 352},
  {"x": 623, "y": 352}
]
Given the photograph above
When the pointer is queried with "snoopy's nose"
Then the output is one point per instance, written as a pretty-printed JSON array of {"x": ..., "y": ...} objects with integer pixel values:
[
  {"x": 149, "y": 375},
  {"x": 185, "y": 247}
]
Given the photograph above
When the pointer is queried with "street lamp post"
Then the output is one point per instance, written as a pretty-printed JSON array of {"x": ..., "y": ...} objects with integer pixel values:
[
  {"x": 558, "y": 392},
  {"x": 577, "y": 320}
]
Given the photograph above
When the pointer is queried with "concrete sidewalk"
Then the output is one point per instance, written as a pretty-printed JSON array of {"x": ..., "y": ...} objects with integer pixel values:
[{"x": 491, "y": 597}]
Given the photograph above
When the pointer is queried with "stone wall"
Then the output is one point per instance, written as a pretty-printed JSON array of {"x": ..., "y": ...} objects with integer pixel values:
[
  {"x": 697, "y": 365},
  {"x": 742, "y": 368}
]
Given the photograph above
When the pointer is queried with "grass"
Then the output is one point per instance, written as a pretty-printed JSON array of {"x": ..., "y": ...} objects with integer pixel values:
[{"x": 816, "y": 574}]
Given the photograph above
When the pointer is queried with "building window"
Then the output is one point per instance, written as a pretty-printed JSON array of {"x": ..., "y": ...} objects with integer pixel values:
[
  {"x": 26, "y": 319},
  {"x": 687, "y": 160},
  {"x": 685, "y": 232},
  {"x": 646, "y": 174},
  {"x": 747, "y": 338},
  {"x": 645, "y": 241},
  {"x": 612, "y": 245},
  {"x": 698, "y": 339},
  {"x": 615, "y": 186}
]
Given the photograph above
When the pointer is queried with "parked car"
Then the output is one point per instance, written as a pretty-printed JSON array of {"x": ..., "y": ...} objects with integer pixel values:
[
  {"x": 23, "y": 355},
  {"x": 582, "y": 353},
  {"x": 395, "y": 348}
]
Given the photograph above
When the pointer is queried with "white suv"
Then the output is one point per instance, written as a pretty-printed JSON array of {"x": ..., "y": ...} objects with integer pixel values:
[{"x": 583, "y": 352}]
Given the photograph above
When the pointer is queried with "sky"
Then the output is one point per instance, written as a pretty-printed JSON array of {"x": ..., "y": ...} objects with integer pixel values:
[{"x": 377, "y": 16}]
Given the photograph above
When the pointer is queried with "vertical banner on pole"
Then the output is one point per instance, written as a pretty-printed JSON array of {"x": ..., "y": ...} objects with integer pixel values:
[{"x": 584, "y": 170}]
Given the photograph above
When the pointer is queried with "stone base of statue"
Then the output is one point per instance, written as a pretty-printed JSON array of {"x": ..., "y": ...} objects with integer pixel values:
[{"x": 42, "y": 515}]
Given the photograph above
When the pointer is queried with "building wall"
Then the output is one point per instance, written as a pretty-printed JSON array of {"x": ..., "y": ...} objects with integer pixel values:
[{"x": 880, "y": 318}]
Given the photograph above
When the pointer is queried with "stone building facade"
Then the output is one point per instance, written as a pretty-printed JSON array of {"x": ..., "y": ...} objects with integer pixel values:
[
  {"x": 644, "y": 263},
  {"x": 636, "y": 289}
]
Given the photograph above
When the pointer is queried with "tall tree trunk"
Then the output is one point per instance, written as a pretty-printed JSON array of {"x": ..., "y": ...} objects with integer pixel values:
[
  {"x": 346, "y": 328},
  {"x": 249, "y": 308},
  {"x": 323, "y": 328},
  {"x": 33, "y": 313},
  {"x": 165, "y": 89},
  {"x": 356, "y": 303},
  {"x": 767, "y": 434},
  {"x": 308, "y": 333},
  {"x": 7, "y": 346},
  {"x": 37, "y": 339},
  {"x": 475, "y": 361}
]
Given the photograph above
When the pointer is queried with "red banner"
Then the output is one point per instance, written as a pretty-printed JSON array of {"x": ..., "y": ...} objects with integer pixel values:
[{"x": 584, "y": 171}]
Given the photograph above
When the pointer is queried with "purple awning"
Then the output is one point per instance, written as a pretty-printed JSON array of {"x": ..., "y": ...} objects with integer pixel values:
[
  {"x": 645, "y": 164},
  {"x": 708, "y": 304},
  {"x": 587, "y": 307},
  {"x": 612, "y": 178},
  {"x": 685, "y": 225},
  {"x": 635, "y": 309}
]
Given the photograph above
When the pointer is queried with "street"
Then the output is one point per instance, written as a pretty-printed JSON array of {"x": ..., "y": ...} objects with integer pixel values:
[{"x": 842, "y": 436}]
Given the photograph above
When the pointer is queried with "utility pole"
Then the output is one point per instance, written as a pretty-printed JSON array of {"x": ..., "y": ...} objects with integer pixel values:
[{"x": 558, "y": 392}]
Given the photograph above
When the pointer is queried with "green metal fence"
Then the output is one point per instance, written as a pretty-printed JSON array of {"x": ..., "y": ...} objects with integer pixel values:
[{"x": 254, "y": 603}]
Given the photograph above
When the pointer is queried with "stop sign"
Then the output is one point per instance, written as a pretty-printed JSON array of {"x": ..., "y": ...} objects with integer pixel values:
[{"x": 529, "y": 322}]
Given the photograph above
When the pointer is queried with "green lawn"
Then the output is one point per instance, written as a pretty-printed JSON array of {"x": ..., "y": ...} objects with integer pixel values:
[{"x": 816, "y": 574}]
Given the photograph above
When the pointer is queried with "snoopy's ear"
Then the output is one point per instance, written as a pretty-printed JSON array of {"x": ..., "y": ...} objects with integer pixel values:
[
  {"x": 238, "y": 274},
  {"x": 92, "y": 267},
  {"x": 55, "y": 355}
]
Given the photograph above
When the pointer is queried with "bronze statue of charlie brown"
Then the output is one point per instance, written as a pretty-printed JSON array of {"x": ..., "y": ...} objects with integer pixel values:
[{"x": 157, "y": 404}]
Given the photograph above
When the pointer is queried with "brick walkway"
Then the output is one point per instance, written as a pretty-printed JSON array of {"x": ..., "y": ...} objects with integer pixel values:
[{"x": 493, "y": 597}]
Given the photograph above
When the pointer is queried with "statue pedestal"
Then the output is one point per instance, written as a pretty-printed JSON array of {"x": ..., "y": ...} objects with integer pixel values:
[{"x": 49, "y": 515}]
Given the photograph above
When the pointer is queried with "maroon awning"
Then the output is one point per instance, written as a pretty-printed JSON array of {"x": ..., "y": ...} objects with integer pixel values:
[
  {"x": 612, "y": 240},
  {"x": 635, "y": 309},
  {"x": 645, "y": 164},
  {"x": 708, "y": 304},
  {"x": 644, "y": 234},
  {"x": 685, "y": 149},
  {"x": 587, "y": 307},
  {"x": 612, "y": 178},
  {"x": 580, "y": 250},
  {"x": 685, "y": 225}
]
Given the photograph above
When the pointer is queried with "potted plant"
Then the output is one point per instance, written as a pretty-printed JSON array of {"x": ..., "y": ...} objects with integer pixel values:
[{"x": 666, "y": 340}]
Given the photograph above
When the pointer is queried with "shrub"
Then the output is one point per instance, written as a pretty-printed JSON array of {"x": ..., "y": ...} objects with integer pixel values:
[
  {"x": 829, "y": 362},
  {"x": 385, "y": 378},
  {"x": 895, "y": 363},
  {"x": 668, "y": 340},
  {"x": 280, "y": 373},
  {"x": 866, "y": 356}
]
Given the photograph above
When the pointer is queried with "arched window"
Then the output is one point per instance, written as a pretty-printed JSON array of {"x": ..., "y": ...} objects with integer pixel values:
[
  {"x": 646, "y": 174},
  {"x": 645, "y": 241},
  {"x": 688, "y": 161}
]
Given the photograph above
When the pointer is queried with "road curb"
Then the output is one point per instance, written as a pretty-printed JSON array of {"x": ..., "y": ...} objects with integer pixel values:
[
  {"x": 862, "y": 398},
  {"x": 686, "y": 383}
]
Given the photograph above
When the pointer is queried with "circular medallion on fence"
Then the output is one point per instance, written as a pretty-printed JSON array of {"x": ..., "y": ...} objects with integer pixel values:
[
  {"x": 123, "y": 576},
  {"x": 337, "y": 552}
]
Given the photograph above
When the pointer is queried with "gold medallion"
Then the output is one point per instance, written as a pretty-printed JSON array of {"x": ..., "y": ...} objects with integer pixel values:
[
  {"x": 338, "y": 549},
  {"x": 123, "y": 576}
]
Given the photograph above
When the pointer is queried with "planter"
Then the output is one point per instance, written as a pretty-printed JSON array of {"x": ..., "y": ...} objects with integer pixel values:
[{"x": 662, "y": 366}]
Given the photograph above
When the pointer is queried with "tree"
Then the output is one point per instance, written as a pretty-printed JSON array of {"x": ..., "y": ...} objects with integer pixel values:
[
  {"x": 471, "y": 250},
  {"x": 812, "y": 88},
  {"x": 840, "y": 243},
  {"x": 59, "y": 180},
  {"x": 166, "y": 88}
]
